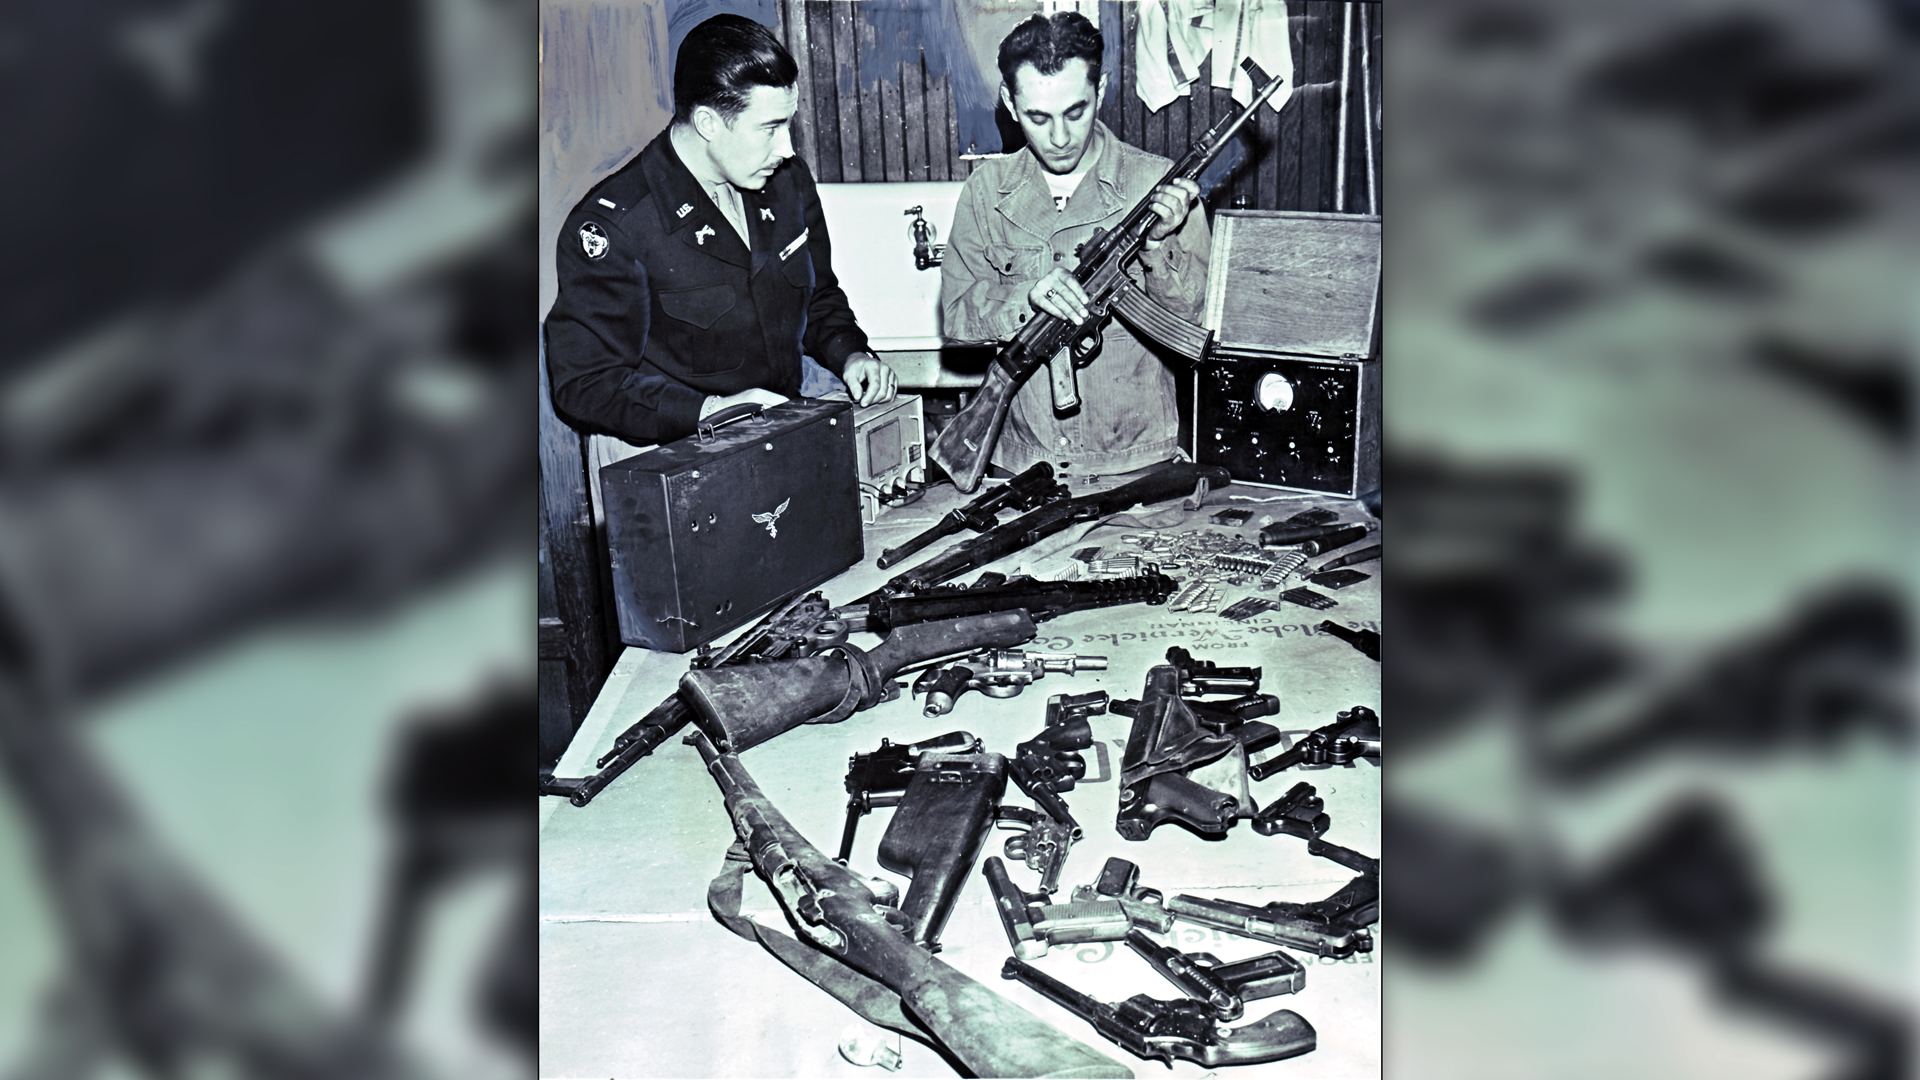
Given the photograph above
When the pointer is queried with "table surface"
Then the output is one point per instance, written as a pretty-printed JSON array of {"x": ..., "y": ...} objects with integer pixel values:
[{"x": 638, "y": 979}]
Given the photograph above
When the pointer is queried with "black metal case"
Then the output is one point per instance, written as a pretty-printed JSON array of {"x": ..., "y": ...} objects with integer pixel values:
[
  {"x": 709, "y": 533},
  {"x": 1290, "y": 397}
]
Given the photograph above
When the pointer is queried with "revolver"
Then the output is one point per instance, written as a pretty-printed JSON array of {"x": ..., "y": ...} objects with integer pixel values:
[
  {"x": 1050, "y": 762},
  {"x": 1353, "y": 734},
  {"x": 1164, "y": 1030},
  {"x": 1226, "y": 987},
  {"x": 1034, "y": 925},
  {"x": 1042, "y": 845},
  {"x": 1000, "y": 673}
]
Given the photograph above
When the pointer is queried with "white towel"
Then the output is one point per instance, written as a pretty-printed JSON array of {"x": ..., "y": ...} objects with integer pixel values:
[
  {"x": 1255, "y": 28},
  {"x": 1186, "y": 40}
]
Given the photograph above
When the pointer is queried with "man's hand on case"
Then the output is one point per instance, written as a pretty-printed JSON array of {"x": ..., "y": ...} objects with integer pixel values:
[{"x": 868, "y": 380}]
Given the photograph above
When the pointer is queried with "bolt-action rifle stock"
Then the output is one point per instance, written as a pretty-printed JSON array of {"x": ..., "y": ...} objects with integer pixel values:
[
  {"x": 966, "y": 445},
  {"x": 835, "y": 909}
]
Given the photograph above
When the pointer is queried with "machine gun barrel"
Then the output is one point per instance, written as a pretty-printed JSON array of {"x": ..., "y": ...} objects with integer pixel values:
[
  {"x": 1041, "y": 599},
  {"x": 832, "y": 907}
]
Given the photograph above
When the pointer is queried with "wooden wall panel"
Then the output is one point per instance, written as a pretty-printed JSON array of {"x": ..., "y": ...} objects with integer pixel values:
[{"x": 885, "y": 110}]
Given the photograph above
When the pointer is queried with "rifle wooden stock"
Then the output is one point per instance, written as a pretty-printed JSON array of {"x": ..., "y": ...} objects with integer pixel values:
[
  {"x": 743, "y": 706},
  {"x": 965, "y": 447},
  {"x": 833, "y": 908}
]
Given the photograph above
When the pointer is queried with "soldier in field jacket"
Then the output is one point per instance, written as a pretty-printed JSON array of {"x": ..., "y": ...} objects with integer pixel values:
[
  {"x": 699, "y": 275},
  {"x": 1016, "y": 237}
]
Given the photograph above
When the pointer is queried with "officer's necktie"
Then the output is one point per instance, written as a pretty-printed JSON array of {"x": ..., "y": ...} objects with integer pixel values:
[{"x": 727, "y": 198}]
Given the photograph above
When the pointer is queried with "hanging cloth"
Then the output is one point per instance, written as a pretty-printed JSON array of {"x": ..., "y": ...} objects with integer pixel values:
[
  {"x": 1154, "y": 79},
  {"x": 1269, "y": 41},
  {"x": 1176, "y": 36}
]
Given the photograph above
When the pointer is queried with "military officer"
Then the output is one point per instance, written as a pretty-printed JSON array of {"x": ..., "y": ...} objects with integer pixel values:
[{"x": 699, "y": 275}]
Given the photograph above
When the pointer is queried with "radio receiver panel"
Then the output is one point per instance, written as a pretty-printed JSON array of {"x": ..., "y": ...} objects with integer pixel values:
[{"x": 1290, "y": 397}]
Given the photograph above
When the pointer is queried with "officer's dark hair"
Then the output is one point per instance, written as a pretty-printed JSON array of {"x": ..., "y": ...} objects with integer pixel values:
[
  {"x": 1048, "y": 43},
  {"x": 721, "y": 61}
]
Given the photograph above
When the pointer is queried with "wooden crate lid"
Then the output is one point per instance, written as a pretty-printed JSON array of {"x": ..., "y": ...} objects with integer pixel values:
[{"x": 1294, "y": 282}]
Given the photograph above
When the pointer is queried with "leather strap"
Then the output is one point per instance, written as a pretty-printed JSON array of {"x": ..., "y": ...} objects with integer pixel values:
[
  {"x": 864, "y": 683},
  {"x": 870, "y": 999}
]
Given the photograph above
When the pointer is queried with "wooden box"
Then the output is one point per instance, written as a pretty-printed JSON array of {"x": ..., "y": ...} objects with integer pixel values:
[{"x": 1289, "y": 396}]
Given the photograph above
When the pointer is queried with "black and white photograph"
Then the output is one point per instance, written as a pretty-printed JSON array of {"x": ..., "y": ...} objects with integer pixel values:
[{"x": 960, "y": 598}]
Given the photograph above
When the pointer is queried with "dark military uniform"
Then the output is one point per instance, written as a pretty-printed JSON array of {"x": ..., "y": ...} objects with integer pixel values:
[{"x": 661, "y": 305}]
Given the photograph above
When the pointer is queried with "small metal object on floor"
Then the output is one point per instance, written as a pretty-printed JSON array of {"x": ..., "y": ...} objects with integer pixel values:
[
  {"x": 1306, "y": 597},
  {"x": 1242, "y": 610},
  {"x": 1338, "y": 579}
]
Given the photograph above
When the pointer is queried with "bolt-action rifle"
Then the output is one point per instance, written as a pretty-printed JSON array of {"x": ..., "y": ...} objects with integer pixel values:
[
  {"x": 966, "y": 445},
  {"x": 839, "y": 911}
]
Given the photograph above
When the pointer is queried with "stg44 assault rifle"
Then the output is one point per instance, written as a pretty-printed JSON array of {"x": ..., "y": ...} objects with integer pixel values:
[
  {"x": 966, "y": 445},
  {"x": 807, "y": 625}
]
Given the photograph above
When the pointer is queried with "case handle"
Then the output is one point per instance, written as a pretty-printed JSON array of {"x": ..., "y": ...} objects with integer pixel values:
[{"x": 728, "y": 415}]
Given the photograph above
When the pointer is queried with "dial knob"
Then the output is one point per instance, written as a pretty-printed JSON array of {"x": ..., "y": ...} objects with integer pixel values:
[{"x": 1273, "y": 392}]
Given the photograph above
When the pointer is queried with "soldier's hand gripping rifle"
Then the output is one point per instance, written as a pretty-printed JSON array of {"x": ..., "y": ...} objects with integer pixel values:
[
  {"x": 966, "y": 445},
  {"x": 838, "y": 911},
  {"x": 1024, "y": 492}
]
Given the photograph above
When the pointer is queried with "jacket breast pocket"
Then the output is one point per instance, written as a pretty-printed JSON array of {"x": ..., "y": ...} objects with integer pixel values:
[
  {"x": 799, "y": 270},
  {"x": 1021, "y": 262},
  {"x": 701, "y": 307}
]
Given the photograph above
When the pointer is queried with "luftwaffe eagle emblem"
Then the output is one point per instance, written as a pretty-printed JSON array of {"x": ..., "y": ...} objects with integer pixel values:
[
  {"x": 592, "y": 240},
  {"x": 772, "y": 520}
]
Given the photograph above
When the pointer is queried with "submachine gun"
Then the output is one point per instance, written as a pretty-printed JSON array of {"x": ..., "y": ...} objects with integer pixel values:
[
  {"x": 965, "y": 446},
  {"x": 1026, "y": 491}
]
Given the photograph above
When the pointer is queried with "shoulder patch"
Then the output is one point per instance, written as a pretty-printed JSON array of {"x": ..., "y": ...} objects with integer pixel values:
[{"x": 593, "y": 240}]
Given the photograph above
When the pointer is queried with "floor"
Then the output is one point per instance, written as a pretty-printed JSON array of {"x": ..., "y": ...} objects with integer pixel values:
[{"x": 638, "y": 979}]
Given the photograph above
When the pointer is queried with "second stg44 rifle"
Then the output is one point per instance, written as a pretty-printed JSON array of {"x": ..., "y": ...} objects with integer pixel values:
[
  {"x": 1026, "y": 491},
  {"x": 807, "y": 625},
  {"x": 966, "y": 445}
]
